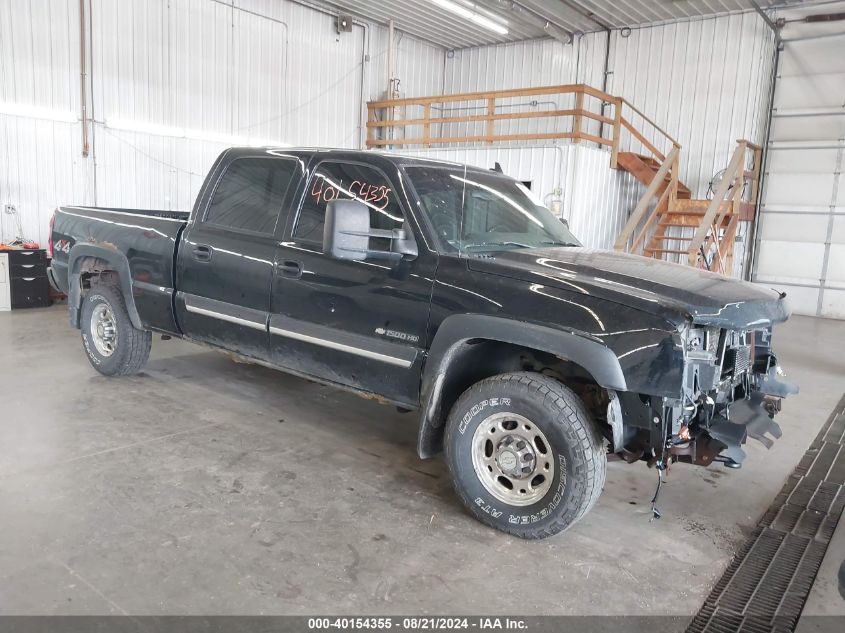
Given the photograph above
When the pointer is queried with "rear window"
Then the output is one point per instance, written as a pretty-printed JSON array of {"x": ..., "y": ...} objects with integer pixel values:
[{"x": 250, "y": 193}]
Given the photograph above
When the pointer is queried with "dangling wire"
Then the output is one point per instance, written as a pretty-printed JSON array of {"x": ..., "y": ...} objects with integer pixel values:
[
  {"x": 655, "y": 513},
  {"x": 661, "y": 465}
]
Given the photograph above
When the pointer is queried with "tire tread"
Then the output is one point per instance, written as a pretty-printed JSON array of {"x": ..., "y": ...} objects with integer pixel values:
[
  {"x": 138, "y": 342},
  {"x": 566, "y": 409}
]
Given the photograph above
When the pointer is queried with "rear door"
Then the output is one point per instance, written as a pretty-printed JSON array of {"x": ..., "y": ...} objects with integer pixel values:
[
  {"x": 225, "y": 261},
  {"x": 357, "y": 323}
]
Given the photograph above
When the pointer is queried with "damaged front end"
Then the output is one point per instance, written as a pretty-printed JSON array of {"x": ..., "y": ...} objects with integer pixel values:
[{"x": 732, "y": 390}]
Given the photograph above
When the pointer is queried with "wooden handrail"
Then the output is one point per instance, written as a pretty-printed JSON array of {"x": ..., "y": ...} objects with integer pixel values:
[
  {"x": 730, "y": 175},
  {"x": 749, "y": 144},
  {"x": 642, "y": 205},
  {"x": 650, "y": 122},
  {"x": 496, "y": 94},
  {"x": 487, "y": 102},
  {"x": 642, "y": 139},
  {"x": 483, "y": 138},
  {"x": 471, "y": 118},
  {"x": 663, "y": 200}
]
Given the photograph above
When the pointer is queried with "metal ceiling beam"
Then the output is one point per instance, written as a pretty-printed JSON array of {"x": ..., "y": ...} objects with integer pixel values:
[
  {"x": 582, "y": 10},
  {"x": 529, "y": 15},
  {"x": 772, "y": 25}
]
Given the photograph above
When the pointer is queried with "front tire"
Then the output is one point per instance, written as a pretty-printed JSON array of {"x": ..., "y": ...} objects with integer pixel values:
[
  {"x": 114, "y": 346},
  {"x": 524, "y": 455}
]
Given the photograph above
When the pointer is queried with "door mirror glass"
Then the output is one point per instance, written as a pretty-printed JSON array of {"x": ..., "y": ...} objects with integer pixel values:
[{"x": 347, "y": 234}]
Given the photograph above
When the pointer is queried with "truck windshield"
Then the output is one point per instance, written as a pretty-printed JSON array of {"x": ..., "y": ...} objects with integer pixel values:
[{"x": 474, "y": 212}]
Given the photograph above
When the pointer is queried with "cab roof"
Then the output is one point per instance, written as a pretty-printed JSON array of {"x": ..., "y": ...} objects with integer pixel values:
[{"x": 365, "y": 156}]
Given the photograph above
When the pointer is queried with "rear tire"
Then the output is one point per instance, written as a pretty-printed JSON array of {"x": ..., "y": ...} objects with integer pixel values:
[
  {"x": 114, "y": 346},
  {"x": 524, "y": 455}
]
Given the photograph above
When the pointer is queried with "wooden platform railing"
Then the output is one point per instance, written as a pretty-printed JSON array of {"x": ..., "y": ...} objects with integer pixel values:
[{"x": 421, "y": 121}]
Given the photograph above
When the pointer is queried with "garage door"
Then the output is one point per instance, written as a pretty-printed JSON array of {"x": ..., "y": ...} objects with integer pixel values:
[{"x": 801, "y": 236}]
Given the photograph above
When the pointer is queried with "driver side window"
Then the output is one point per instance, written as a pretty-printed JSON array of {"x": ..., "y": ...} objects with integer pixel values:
[{"x": 346, "y": 181}]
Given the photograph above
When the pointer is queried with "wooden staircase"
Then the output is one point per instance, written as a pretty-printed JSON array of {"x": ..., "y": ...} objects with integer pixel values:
[
  {"x": 643, "y": 168},
  {"x": 699, "y": 232},
  {"x": 667, "y": 222}
]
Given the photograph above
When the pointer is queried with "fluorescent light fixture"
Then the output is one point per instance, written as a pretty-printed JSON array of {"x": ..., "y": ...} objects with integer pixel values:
[
  {"x": 34, "y": 112},
  {"x": 472, "y": 15},
  {"x": 143, "y": 127}
]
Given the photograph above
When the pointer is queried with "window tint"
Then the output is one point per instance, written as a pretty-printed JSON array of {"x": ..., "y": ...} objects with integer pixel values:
[
  {"x": 342, "y": 181},
  {"x": 250, "y": 193}
]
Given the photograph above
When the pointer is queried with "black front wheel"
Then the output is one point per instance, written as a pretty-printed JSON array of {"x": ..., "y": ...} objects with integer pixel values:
[
  {"x": 524, "y": 455},
  {"x": 114, "y": 346}
]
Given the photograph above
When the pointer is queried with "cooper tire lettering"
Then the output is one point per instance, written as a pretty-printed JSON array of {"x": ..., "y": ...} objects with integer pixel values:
[{"x": 574, "y": 458}]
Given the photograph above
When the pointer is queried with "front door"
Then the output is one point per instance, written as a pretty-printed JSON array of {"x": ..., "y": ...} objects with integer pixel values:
[
  {"x": 357, "y": 323},
  {"x": 225, "y": 262}
]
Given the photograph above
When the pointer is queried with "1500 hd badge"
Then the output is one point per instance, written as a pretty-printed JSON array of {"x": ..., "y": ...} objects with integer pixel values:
[{"x": 402, "y": 336}]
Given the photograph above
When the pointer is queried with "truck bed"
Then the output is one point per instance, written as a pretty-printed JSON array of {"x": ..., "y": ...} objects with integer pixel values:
[{"x": 143, "y": 242}]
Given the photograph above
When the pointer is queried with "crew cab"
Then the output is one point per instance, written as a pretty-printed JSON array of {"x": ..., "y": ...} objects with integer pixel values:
[{"x": 447, "y": 290}]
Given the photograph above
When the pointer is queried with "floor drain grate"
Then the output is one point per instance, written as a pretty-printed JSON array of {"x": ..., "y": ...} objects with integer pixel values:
[{"x": 767, "y": 583}]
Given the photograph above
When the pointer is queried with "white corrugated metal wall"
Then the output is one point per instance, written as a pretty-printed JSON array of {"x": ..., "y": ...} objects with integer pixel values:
[
  {"x": 268, "y": 70},
  {"x": 722, "y": 65},
  {"x": 277, "y": 70},
  {"x": 41, "y": 163},
  {"x": 704, "y": 81}
]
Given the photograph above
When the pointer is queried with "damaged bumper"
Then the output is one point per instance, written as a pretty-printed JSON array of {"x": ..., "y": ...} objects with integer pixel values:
[
  {"x": 722, "y": 436},
  {"x": 732, "y": 390}
]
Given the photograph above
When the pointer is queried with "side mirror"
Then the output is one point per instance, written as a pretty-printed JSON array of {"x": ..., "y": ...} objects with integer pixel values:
[
  {"x": 347, "y": 233},
  {"x": 564, "y": 221}
]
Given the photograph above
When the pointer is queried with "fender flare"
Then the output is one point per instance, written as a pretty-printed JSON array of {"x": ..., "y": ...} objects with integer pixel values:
[
  {"x": 117, "y": 261},
  {"x": 457, "y": 330}
]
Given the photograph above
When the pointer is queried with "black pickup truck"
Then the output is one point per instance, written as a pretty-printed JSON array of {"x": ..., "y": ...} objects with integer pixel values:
[{"x": 445, "y": 289}]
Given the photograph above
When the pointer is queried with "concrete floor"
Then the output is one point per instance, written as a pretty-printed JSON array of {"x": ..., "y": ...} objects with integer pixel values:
[{"x": 206, "y": 486}]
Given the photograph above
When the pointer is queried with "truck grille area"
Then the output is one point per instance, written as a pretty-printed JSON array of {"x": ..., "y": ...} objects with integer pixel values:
[
  {"x": 767, "y": 583},
  {"x": 735, "y": 348},
  {"x": 737, "y": 360}
]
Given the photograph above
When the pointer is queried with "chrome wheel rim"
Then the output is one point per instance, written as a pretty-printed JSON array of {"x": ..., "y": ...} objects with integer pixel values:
[
  {"x": 103, "y": 329},
  {"x": 513, "y": 459}
]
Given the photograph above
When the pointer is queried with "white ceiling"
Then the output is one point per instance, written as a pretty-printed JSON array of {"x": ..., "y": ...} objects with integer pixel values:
[{"x": 528, "y": 19}]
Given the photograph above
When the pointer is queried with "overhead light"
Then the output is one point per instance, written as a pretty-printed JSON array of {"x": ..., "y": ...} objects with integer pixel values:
[
  {"x": 144, "y": 127},
  {"x": 472, "y": 16},
  {"x": 34, "y": 112}
]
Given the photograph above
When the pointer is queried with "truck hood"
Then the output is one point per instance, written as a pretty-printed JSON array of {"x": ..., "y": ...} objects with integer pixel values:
[{"x": 673, "y": 291}]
